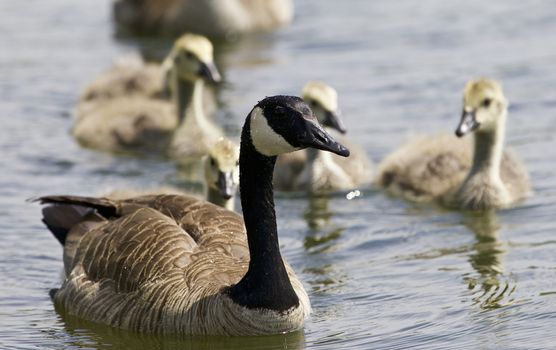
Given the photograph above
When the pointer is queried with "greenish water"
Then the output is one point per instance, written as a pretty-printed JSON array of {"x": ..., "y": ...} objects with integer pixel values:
[{"x": 381, "y": 273}]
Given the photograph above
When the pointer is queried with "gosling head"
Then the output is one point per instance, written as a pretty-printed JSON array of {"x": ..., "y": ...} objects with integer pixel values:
[
  {"x": 484, "y": 106},
  {"x": 323, "y": 100},
  {"x": 222, "y": 168},
  {"x": 192, "y": 59},
  {"x": 282, "y": 124}
]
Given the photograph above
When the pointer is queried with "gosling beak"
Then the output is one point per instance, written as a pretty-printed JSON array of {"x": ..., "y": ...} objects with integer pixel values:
[
  {"x": 209, "y": 72},
  {"x": 225, "y": 184},
  {"x": 333, "y": 120},
  {"x": 467, "y": 123},
  {"x": 314, "y": 136}
]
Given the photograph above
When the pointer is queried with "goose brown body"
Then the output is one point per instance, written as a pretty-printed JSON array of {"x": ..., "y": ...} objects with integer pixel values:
[{"x": 161, "y": 264}]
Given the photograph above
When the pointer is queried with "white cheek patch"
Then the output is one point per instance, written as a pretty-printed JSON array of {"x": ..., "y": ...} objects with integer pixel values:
[{"x": 265, "y": 139}]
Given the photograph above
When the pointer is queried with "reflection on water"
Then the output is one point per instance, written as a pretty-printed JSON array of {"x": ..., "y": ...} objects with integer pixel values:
[
  {"x": 491, "y": 289},
  {"x": 317, "y": 215},
  {"x": 86, "y": 334},
  {"x": 321, "y": 237},
  {"x": 322, "y": 234}
]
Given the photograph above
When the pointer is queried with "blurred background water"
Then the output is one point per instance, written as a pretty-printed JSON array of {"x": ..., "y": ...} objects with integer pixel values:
[{"x": 381, "y": 273}]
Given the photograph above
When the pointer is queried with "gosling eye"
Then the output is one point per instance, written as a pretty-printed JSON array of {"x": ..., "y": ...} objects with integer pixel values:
[
  {"x": 486, "y": 102},
  {"x": 212, "y": 162},
  {"x": 189, "y": 55},
  {"x": 237, "y": 162},
  {"x": 313, "y": 104}
]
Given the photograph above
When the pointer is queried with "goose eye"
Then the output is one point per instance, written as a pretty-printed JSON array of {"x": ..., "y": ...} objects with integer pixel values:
[
  {"x": 279, "y": 110},
  {"x": 486, "y": 102}
]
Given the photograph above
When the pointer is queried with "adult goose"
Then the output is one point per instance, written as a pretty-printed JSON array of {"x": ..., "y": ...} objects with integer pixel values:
[
  {"x": 214, "y": 18},
  {"x": 459, "y": 173},
  {"x": 176, "y": 265},
  {"x": 317, "y": 171},
  {"x": 137, "y": 124}
]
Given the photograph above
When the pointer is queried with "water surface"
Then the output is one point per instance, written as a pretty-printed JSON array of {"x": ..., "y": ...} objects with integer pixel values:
[{"x": 381, "y": 273}]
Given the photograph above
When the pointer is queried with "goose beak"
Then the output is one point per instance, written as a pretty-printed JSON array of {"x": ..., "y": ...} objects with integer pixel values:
[
  {"x": 333, "y": 120},
  {"x": 315, "y": 137},
  {"x": 467, "y": 124},
  {"x": 209, "y": 72},
  {"x": 225, "y": 184}
]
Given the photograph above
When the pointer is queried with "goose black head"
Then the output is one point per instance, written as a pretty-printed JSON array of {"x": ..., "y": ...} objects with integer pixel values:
[{"x": 282, "y": 124}]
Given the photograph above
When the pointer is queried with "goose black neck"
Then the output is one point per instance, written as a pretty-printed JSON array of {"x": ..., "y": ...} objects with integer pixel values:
[{"x": 266, "y": 284}]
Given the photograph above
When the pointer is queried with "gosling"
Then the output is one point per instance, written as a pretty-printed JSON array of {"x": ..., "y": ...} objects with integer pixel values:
[
  {"x": 318, "y": 171},
  {"x": 453, "y": 171}
]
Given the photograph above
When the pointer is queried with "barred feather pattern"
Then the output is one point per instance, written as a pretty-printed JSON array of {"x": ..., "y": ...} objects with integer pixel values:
[{"x": 162, "y": 265}]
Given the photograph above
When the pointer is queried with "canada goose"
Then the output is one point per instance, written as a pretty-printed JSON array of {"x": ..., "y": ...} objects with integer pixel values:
[
  {"x": 221, "y": 177},
  {"x": 214, "y": 18},
  {"x": 453, "y": 171},
  {"x": 175, "y": 264},
  {"x": 319, "y": 171},
  {"x": 133, "y": 123}
]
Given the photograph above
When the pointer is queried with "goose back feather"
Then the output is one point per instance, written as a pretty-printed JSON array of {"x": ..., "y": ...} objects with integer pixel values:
[{"x": 149, "y": 265}]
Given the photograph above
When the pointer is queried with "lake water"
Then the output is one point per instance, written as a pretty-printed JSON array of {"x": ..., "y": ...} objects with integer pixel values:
[{"x": 381, "y": 273}]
